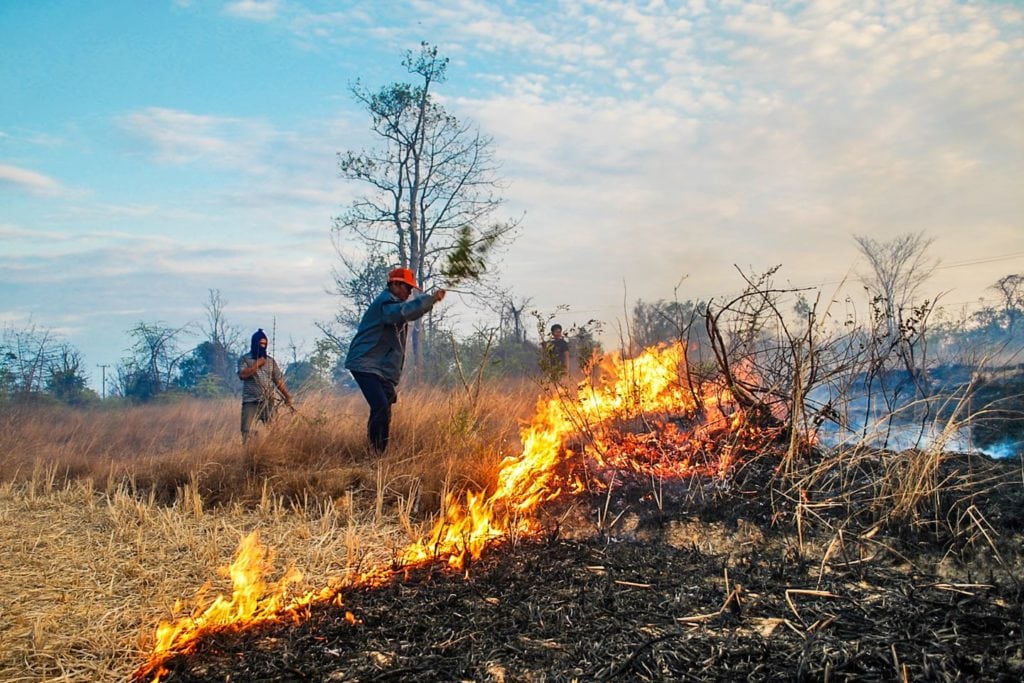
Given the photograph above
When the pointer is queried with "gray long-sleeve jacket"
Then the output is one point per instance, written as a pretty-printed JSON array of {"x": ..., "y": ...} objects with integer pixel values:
[{"x": 379, "y": 344}]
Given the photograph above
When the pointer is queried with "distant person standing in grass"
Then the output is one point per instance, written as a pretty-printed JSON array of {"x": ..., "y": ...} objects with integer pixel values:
[
  {"x": 555, "y": 361},
  {"x": 377, "y": 352},
  {"x": 261, "y": 380}
]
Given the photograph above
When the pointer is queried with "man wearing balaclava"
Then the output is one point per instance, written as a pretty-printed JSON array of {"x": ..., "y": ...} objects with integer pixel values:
[{"x": 261, "y": 379}]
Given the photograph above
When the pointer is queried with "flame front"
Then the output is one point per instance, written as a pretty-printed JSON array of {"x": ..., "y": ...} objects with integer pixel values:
[
  {"x": 646, "y": 384},
  {"x": 252, "y": 600},
  {"x": 637, "y": 390}
]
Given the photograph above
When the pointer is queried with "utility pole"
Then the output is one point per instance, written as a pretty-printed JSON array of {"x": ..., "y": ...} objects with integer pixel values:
[{"x": 103, "y": 390}]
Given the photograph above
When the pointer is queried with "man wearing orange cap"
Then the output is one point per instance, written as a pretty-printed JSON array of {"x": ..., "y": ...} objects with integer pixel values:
[{"x": 377, "y": 352}]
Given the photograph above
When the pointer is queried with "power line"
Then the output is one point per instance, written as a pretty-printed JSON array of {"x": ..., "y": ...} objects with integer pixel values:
[
  {"x": 957, "y": 264},
  {"x": 984, "y": 259}
]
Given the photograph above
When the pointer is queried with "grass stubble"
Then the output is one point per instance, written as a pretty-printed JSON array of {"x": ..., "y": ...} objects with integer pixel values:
[{"x": 111, "y": 517}]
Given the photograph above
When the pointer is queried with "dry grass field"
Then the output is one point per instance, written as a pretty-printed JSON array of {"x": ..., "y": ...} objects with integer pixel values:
[
  {"x": 120, "y": 519},
  {"x": 111, "y": 517}
]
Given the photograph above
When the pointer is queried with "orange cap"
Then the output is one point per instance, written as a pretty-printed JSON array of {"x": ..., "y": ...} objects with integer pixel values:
[{"x": 403, "y": 275}]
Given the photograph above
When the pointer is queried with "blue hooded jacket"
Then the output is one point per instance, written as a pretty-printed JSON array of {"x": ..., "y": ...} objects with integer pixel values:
[{"x": 379, "y": 344}]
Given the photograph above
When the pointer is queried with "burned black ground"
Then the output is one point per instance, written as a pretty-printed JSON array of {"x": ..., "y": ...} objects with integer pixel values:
[{"x": 716, "y": 588}]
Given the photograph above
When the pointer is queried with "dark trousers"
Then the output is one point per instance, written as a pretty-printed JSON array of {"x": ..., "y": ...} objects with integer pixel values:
[
  {"x": 380, "y": 394},
  {"x": 262, "y": 411}
]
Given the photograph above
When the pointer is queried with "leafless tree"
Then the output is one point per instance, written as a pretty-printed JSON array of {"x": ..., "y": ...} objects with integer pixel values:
[
  {"x": 218, "y": 330},
  {"x": 65, "y": 378},
  {"x": 27, "y": 352},
  {"x": 898, "y": 269},
  {"x": 155, "y": 356},
  {"x": 223, "y": 337},
  {"x": 357, "y": 282},
  {"x": 1011, "y": 289},
  {"x": 512, "y": 317}
]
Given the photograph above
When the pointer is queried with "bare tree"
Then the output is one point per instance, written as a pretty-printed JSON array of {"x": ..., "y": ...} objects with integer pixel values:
[
  {"x": 34, "y": 360},
  {"x": 65, "y": 378},
  {"x": 512, "y": 317},
  {"x": 223, "y": 337},
  {"x": 155, "y": 356},
  {"x": 26, "y": 354},
  {"x": 359, "y": 280},
  {"x": 217, "y": 329},
  {"x": 899, "y": 267},
  {"x": 1011, "y": 289}
]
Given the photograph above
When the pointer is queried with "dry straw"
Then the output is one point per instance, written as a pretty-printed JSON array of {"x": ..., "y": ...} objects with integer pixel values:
[{"x": 114, "y": 519}]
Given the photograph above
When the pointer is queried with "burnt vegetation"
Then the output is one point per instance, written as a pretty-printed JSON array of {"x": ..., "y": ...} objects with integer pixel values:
[
  {"x": 742, "y": 549},
  {"x": 711, "y": 584}
]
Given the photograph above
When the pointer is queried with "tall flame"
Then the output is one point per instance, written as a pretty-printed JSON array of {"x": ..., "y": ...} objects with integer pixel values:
[{"x": 623, "y": 389}]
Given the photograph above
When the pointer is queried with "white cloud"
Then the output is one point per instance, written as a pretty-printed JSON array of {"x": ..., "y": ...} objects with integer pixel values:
[
  {"x": 256, "y": 10},
  {"x": 15, "y": 232},
  {"x": 281, "y": 170},
  {"x": 30, "y": 181},
  {"x": 180, "y": 137},
  {"x": 776, "y": 136}
]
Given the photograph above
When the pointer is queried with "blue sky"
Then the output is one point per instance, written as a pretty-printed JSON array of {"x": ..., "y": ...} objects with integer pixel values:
[{"x": 151, "y": 151}]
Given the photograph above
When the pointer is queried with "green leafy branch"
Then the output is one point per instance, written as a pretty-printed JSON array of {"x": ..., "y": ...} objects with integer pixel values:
[{"x": 467, "y": 259}]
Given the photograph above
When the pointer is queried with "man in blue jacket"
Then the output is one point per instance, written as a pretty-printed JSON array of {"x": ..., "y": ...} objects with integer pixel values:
[{"x": 377, "y": 352}]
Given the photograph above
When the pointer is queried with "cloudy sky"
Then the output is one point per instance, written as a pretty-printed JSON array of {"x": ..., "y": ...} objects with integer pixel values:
[{"x": 152, "y": 151}]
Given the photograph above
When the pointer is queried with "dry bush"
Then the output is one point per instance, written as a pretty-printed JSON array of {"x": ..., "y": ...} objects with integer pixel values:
[{"x": 866, "y": 483}]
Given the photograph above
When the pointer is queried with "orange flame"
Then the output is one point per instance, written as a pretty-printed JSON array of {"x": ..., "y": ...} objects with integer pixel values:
[
  {"x": 624, "y": 389},
  {"x": 647, "y": 383},
  {"x": 253, "y": 600}
]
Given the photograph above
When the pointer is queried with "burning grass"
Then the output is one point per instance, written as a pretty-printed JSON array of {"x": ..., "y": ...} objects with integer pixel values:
[
  {"x": 637, "y": 467},
  {"x": 709, "y": 587},
  {"x": 594, "y": 611},
  {"x": 86, "y": 571},
  {"x": 110, "y": 517}
]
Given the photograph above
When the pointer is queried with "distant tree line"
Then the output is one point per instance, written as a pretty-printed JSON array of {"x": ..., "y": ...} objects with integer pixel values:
[
  {"x": 164, "y": 362},
  {"x": 35, "y": 365},
  {"x": 161, "y": 363}
]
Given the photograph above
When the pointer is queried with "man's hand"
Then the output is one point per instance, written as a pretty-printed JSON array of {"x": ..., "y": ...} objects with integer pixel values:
[
  {"x": 438, "y": 295},
  {"x": 287, "y": 395},
  {"x": 250, "y": 370}
]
